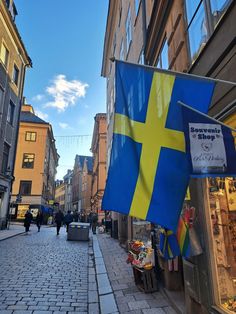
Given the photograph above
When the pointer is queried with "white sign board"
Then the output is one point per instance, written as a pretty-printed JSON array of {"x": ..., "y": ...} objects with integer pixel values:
[{"x": 207, "y": 148}]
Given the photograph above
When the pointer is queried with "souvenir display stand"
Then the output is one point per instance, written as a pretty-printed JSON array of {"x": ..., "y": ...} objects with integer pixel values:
[{"x": 141, "y": 257}]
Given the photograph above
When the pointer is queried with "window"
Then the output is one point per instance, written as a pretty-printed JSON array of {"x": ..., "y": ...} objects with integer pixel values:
[
  {"x": 30, "y": 136},
  {"x": 218, "y": 8},
  {"x": 128, "y": 30},
  {"x": 28, "y": 161},
  {"x": 6, "y": 150},
  {"x": 136, "y": 6},
  {"x": 25, "y": 187},
  {"x": 15, "y": 76},
  {"x": 4, "y": 55},
  {"x": 10, "y": 114},
  {"x": 162, "y": 60},
  {"x": 198, "y": 31},
  {"x": 141, "y": 58},
  {"x": 201, "y": 22}
]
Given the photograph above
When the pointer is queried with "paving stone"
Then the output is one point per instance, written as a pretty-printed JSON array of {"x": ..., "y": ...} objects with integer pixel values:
[
  {"x": 136, "y": 305},
  {"x": 23, "y": 312},
  {"x": 93, "y": 308},
  {"x": 123, "y": 307},
  {"x": 17, "y": 307},
  {"x": 103, "y": 284},
  {"x": 42, "y": 312},
  {"x": 158, "y": 302},
  {"x": 108, "y": 304},
  {"x": 169, "y": 310},
  {"x": 154, "y": 311},
  {"x": 92, "y": 296}
]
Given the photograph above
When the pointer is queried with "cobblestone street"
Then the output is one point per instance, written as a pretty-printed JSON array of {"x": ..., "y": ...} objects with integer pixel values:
[{"x": 43, "y": 273}]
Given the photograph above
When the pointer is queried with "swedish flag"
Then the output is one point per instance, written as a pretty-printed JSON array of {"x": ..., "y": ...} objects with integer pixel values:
[{"x": 149, "y": 171}]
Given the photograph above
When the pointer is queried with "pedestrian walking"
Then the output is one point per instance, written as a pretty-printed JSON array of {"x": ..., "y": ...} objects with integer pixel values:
[
  {"x": 59, "y": 218},
  {"x": 76, "y": 216},
  {"x": 27, "y": 220},
  {"x": 94, "y": 222},
  {"x": 68, "y": 219},
  {"x": 39, "y": 219}
]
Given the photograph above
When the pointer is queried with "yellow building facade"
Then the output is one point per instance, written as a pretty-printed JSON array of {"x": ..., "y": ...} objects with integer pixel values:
[{"x": 35, "y": 165}]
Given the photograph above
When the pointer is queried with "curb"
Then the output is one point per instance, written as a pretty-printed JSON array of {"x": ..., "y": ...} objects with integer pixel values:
[
  {"x": 12, "y": 236},
  {"x": 106, "y": 296}
]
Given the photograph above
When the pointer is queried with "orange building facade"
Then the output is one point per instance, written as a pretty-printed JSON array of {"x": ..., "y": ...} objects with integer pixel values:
[
  {"x": 35, "y": 165},
  {"x": 98, "y": 149}
]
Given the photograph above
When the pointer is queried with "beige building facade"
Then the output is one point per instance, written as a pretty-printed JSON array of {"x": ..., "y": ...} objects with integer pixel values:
[
  {"x": 14, "y": 60},
  {"x": 125, "y": 37}
]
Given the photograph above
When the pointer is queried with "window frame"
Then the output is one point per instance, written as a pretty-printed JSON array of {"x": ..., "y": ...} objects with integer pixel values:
[
  {"x": 26, "y": 164},
  {"x": 5, "y": 62},
  {"x": 22, "y": 182},
  {"x": 15, "y": 74},
  {"x": 30, "y": 140}
]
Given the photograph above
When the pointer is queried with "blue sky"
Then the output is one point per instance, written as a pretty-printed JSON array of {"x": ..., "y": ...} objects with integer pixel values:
[{"x": 65, "y": 42}]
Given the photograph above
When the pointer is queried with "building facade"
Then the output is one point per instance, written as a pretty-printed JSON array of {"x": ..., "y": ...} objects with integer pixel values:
[
  {"x": 98, "y": 148},
  {"x": 81, "y": 183},
  {"x": 36, "y": 163},
  {"x": 199, "y": 38},
  {"x": 68, "y": 190},
  {"x": 60, "y": 195},
  {"x": 13, "y": 63},
  {"x": 86, "y": 188},
  {"x": 125, "y": 37},
  {"x": 196, "y": 37}
]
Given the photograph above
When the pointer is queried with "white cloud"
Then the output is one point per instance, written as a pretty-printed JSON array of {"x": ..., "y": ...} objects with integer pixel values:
[
  {"x": 38, "y": 97},
  {"x": 41, "y": 114},
  {"x": 63, "y": 125},
  {"x": 65, "y": 93}
]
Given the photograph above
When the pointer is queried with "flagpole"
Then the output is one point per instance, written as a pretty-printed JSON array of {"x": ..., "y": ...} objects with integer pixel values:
[
  {"x": 205, "y": 115},
  {"x": 148, "y": 67}
]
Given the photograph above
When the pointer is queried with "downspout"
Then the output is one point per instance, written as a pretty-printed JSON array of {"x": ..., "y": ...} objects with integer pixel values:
[{"x": 144, "y": 16}]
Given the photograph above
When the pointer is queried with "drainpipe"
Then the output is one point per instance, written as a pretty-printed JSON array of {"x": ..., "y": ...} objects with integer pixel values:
[{"x": 144, "y": 16}]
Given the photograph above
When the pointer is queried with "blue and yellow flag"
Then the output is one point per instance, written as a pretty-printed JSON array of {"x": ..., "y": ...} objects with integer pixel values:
[{"x": 149, "y": 171}]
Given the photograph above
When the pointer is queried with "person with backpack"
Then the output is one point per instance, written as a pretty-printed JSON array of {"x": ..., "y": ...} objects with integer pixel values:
[{"x": 68, "y": 219}]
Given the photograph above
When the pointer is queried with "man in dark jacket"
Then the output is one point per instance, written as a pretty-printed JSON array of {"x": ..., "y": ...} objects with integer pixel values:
[
  {"x": 68, "y": 219},
  {"x": 59, "y": 217},
  {"x": 27, "y": 221},
  {"x": 94, "y": 222},
  {"x": 39, "y": 219}
]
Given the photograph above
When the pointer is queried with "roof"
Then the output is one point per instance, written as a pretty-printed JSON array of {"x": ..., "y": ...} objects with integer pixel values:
[
  {"x": 31, "y": 118},
  {"x": 79, "y": 160}
]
